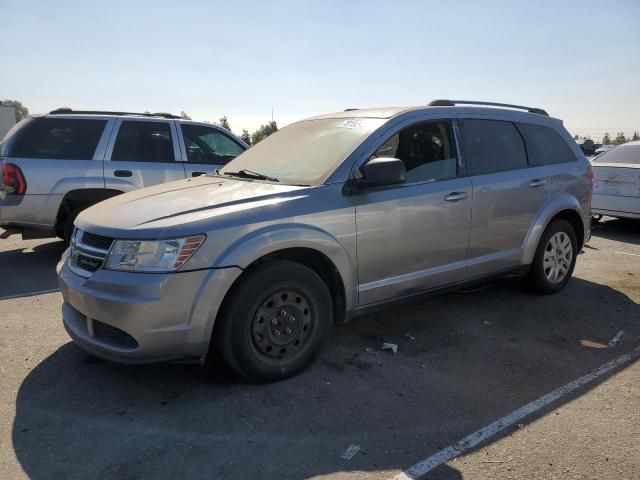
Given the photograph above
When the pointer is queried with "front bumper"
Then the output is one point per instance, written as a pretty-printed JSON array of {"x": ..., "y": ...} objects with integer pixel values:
[{"x": 140, "y": 317}]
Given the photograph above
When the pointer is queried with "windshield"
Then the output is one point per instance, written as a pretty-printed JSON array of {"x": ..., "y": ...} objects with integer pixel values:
[
  {"x": 307, "y": 152},
  {"x": 621, "y": 154}
]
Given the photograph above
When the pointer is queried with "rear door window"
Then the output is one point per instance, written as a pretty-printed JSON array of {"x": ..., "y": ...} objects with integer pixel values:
[
  {"x": 492, "y": 146},
  {"x": 58, "y": 138},
  {"x": 206, "y": 145},
  {"x": 427, "y": 150},
  {"x": 143, "y": 142},
  {"x": 545, "y": 146}
]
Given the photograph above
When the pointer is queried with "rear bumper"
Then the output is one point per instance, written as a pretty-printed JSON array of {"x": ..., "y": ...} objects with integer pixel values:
[
  {"x": 143, "y": 318},
  {"x": 30, "y": 212},
  {"x": 615, "y": 206}
]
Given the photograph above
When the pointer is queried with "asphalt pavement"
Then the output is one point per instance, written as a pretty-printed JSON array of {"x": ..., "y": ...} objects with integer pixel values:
[{"x": 466, "y": 359}]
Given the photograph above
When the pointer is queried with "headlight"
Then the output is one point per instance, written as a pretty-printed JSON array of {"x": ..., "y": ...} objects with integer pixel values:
[{"x": 152, "y": 255}]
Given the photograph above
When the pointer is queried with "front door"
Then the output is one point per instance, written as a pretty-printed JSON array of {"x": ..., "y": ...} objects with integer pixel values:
[
  {"x": 414, "y": 236},
  {"x": 207, "y": 148}
]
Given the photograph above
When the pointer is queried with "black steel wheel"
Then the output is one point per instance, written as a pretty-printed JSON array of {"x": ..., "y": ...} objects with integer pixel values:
[{"x": 275, "y": 321}]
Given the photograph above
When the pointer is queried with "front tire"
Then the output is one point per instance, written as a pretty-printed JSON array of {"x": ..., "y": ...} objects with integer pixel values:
[
  {"x": 555, "y": 258},
  {"x": 276, "y": 321}
]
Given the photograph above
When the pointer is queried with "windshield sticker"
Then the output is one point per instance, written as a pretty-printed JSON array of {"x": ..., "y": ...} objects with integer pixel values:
[{"x": 352, "y": 123}]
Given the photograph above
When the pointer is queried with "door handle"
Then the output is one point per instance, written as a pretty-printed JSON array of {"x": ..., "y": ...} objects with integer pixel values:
[
  {"x": 123, "y": 173},
  {"x": 455, "y": 196},
  {"x": 538, "y": 182},
  {"x": 197, "y": 174}
]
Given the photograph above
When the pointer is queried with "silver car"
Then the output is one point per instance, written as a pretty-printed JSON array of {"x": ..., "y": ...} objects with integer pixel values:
[
  {"x": 324, "y": 220},
  {"x": 55, "y": 165},
  {"x": 616, "y": 191}
]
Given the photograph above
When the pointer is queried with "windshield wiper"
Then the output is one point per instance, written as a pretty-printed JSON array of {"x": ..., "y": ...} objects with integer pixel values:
[{"x": 251, "y": 174}]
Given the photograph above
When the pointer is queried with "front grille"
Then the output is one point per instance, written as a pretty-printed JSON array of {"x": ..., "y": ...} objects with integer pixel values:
[
  {"x": 96, "y": 241},
  {"x": 89, "y": 264},
  {"x": 113, "y": 336},
  {"x": 88, "y": 251}
]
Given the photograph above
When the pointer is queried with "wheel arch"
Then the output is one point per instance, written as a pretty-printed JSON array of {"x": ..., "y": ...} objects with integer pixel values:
[
  {"x": 563, "y": 206},
  {"x": 80, "y": 199},
  {"x": 308, "y": 245}
]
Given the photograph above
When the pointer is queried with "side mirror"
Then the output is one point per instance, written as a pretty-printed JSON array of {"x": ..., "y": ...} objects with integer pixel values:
[{"x": 382, "y": 171}]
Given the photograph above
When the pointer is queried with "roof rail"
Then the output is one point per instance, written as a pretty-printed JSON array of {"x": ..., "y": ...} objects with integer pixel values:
[
  {"x": 451, "y": 103},
  {"x": 350, "y": 109},
  {"x": 99, "y": 112}
]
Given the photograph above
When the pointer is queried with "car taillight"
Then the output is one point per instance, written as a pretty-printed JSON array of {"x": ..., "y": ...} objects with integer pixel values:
[
  {"x": 13, "y": 179},
  {"x": 591, "y": 174}
]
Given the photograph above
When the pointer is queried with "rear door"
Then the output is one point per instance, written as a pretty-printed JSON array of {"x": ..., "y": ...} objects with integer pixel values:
[
  {"x": 141, "y": 153},
  {"x": 205, "y": 148},
  {"x": 507, "y": 193},
  {"x": 55, "y": 154}
]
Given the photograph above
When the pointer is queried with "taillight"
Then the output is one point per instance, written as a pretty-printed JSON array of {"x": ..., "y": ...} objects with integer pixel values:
[
  {"x": 591, "y": 174},
  {"x": 13, "y": 179}
]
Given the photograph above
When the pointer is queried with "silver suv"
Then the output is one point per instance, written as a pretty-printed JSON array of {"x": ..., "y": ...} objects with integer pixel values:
[
  {"x": 54, "y": 166},
  {"x": 319, "y": 222}
]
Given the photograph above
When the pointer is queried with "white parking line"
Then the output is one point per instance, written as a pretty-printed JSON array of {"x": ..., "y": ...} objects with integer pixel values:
[
  {"x": 627, "y": 253},
  {"x": 452, "y": 451},
  {"x": 30, "y": 294}
]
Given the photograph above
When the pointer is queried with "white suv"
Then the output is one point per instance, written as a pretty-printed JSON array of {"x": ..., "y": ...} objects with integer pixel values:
[{"x": 56, "y": 165}]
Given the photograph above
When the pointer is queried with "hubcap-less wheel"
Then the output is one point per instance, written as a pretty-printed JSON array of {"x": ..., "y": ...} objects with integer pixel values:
[
  {"x": 282, "y": 324},
  {"x": 558, "y": 255}
]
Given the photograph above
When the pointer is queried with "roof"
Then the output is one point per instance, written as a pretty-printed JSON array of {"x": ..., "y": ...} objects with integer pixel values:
[{"x": 466, "y": 106}]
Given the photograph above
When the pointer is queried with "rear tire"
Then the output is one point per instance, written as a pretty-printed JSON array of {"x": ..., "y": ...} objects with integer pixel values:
[
  {"x": 555, "y": 258},
  {"x": 275, "y": 322}
]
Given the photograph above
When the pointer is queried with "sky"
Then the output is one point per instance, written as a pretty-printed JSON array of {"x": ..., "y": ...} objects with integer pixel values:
[{"x": 579, "y": 60}]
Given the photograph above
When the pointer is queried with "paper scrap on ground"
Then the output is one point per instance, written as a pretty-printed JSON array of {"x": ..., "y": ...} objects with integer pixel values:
[
  {"x": 350, "y": 452},
  {"x": 616, "y": 340},
  {"x": 390, "y": 346}
]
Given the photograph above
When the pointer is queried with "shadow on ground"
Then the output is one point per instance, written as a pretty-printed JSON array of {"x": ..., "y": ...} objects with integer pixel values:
[
  {"x": 476, "y": 357},
  {"x": 618, "y": 229},
  {"x": 24, "y": 271}
]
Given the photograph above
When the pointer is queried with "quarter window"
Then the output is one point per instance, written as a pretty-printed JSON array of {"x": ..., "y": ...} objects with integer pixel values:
[
  {"x": 58, "y": 138},
  {"x": 143, "y": 142},
  {"x": 545, "y": 146},
  {"x": 208, "y": 145},
  {"x": 492, "y": 146},
  {"x": 426, "y": 149}
]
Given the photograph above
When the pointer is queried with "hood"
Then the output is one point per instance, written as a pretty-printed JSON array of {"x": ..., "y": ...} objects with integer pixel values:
[{"x": 171, "y": 207}]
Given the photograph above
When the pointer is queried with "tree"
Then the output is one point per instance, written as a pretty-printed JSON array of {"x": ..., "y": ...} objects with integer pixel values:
[
  {"x": 606, "y": 140},
  {"x": 635, "y": 137},
  {"x": 264, "y": 131},
  {"x": 224, "y": 123},
  {"x": 21, "y": 110},
  {"x": 245, "y": 137},
  {"x": 620, "y": 139},
  {"x": 185, "y": 115},
  {"x": 576, "y": 137}
]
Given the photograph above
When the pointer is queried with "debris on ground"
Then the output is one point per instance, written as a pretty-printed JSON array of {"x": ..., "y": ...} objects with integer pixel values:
[
  {"x": 390, "y": 346},
  {"x": 487, "y": 323},
  {"x": 498, "y": 461},
  {"x": 350, "y": 452},
  {"x": 409, "y": 336},
  {"x": 591, "y": 344},
  {"x": 616, "y": 340},
  {"x": 371, "y": 350}
]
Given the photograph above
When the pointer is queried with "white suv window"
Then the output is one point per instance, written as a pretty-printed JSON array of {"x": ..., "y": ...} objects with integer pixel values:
[
  {"x": 209, "y": 145},
  {"x": 143, "y": 142}
]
